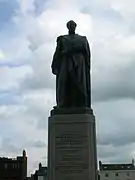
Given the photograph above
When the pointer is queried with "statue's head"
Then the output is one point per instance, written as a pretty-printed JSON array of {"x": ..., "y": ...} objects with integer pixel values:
[{"x": 71, "y": 25}]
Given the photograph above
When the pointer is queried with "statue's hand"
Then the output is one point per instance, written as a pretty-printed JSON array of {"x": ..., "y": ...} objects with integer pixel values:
[{"x": 54, "y": 71}]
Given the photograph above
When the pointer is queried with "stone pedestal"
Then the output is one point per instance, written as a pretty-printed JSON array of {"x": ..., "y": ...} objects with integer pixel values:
[{"x": 72, "y": 151}]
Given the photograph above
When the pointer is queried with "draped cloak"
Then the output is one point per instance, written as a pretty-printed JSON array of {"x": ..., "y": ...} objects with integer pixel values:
[{"x": 71, "y": 65}]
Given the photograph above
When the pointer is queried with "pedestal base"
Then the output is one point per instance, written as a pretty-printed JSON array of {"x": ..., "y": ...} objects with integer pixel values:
[{"x": 72, "y": 151}]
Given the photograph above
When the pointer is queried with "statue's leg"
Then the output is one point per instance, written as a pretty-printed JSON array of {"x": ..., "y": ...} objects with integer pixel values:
[
  {"x": 61, "y": 91},
  {"x": 57, "y": 94},
  {"x": 78, "y": 95}
]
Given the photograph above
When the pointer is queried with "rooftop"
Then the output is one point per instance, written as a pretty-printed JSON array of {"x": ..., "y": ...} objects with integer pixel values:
[
  {"x": 13, "y": 159},
  {"x": 105, "y": 167}
]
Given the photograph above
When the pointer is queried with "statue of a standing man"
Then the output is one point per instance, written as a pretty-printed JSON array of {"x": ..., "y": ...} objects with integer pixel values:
[{"x": 71, "y": 65}]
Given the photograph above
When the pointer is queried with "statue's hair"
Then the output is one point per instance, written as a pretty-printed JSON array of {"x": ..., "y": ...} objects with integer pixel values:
[{"x": 71, "y": 22}]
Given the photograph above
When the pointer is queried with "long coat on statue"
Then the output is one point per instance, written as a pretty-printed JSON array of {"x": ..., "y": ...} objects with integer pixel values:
[{"x": 71, "y": 65}]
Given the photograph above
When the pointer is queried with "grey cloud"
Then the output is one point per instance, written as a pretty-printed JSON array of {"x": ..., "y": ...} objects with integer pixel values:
[
  {"x": 107, "y": 151},
  {"x": 114, "y": 83},
  {"x": 9, "y": 146},
  {"x": 121, "y": 137},
  {"x": 40, "y": 5},
  {"x": 39, "y": 113},
  {"x": 44, "y": 158},
  {"x": 38, "y": 82},
  {"x": 38, "y": 144},
  {"x": 115, "y": 130},
  {"x": 42, "y": 77},
  {"x": 110, "y": 154}
]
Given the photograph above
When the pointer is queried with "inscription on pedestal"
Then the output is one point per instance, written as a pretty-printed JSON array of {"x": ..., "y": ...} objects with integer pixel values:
[{"x": 71, "y": 150}]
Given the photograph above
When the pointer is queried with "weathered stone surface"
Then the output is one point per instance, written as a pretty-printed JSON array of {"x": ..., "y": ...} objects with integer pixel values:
[{"x": 72, "y": 147}]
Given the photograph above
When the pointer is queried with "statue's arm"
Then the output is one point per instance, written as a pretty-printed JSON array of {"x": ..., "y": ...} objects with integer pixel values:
[
  {"x": 88, "y": 54},
  {"x": 55, "y": 62}
]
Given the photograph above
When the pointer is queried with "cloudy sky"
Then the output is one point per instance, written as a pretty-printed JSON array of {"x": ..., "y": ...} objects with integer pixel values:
[{"x": 28, "y": 32}]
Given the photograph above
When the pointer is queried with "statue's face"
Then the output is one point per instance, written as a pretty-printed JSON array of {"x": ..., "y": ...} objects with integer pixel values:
[{"x": 71, "y": 26}]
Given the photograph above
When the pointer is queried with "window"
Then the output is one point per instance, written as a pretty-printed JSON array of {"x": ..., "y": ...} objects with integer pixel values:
[
  {"x": 106, "y": 175},
  {"x": 40, "y": 177},
  {"x": 5, "y": 166},
  {"x": 15, "y": 166},
  {"x": 116, "y": 174}
]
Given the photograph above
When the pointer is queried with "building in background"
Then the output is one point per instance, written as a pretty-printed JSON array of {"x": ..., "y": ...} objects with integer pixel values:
[
  {"x": 117, "y": 171},
  {"x": 13, "y": 169},
  {"x": 40, "y": 174}
]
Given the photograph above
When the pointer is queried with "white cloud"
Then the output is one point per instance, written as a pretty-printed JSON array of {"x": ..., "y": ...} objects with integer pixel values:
[
  {"x": 27, "y": 6},
  {"x": 10, "y": 77},
  {"x": 28, "y": 123},
  {"x": 2, "y": 55},
  {"x": 126, "y": 8}
]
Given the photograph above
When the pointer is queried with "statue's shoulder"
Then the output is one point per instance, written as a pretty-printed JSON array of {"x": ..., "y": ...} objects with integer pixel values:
[
  {"x": 68, "y": 37},
  {"x": 59, "y": 38},
  {"x": 63, "y": 38},
  {"x": 84, "y": 38}
]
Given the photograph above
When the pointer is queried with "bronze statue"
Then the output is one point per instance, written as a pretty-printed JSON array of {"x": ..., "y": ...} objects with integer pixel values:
[{"x": 71, "y": 65}]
